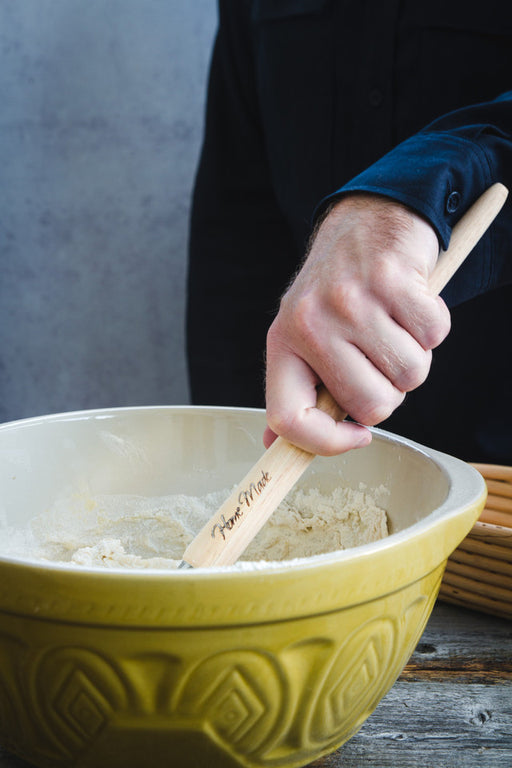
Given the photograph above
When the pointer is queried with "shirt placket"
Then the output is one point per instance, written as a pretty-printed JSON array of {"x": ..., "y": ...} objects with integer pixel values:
[{"x": 364, "y": 74}]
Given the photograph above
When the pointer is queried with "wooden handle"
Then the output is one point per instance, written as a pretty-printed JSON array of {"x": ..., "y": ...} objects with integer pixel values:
[
  {"x": 466, "y": 234},
  {"x": 228, "y": 533}
]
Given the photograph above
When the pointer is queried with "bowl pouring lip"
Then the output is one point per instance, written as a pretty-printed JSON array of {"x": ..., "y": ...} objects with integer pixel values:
[{"x": 466, "y": 490}]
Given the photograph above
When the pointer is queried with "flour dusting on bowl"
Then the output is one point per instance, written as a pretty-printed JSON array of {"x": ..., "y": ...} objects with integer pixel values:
[{"x": 131, "y": 531}]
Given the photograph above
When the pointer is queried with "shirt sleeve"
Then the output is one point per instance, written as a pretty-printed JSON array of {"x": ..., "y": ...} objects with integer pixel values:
[{"x": 440, "y": 171}]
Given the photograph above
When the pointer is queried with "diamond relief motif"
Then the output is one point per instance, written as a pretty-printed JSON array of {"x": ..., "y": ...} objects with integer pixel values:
[
  {"x": 234, "y": 707},
  {"x": 81, "y": 706}
]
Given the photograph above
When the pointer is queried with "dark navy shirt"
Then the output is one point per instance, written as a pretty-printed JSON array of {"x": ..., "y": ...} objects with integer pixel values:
[{"x": 308, "y": 99}]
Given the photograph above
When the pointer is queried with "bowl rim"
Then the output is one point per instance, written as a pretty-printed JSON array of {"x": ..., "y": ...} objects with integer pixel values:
[{"x": 460, "y": 497}]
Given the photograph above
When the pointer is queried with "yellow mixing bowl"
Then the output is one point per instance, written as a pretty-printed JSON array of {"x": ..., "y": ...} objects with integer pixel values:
[{"x": 268, "y": 666}]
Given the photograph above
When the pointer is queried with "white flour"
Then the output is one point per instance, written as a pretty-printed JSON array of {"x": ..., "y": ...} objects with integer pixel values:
[{"x": 139, "y": 532}]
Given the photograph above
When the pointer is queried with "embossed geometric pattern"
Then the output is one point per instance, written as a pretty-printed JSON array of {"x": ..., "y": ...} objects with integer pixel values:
[
  {"x": 347, "y": 695},
  {"x": 352, "y": 679},
  {"x": 234, "y": 707},
  {"x": 260, "y": 706},
  {"x": 238, "y": 696},
  {"x": 77, "y": 692},
  {"x": 82, "y": 706}
]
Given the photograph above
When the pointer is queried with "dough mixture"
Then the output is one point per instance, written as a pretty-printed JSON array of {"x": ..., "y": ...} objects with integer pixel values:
[{"x": 139, "y": 532}]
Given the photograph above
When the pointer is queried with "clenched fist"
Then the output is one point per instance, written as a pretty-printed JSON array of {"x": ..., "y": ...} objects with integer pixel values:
[{"x": 360, "y": 318}]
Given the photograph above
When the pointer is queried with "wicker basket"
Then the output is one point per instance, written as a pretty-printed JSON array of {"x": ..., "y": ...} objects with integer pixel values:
[{"x": 479, "y": 573}]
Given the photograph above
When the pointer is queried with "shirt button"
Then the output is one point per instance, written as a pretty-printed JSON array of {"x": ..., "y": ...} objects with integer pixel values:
[
  {"x": 452, "y": 202},
  {"x": 375, "y": 97}
]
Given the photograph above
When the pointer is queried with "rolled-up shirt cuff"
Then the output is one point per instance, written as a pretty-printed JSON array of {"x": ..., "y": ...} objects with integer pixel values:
[{"x": 438, "y": 175}]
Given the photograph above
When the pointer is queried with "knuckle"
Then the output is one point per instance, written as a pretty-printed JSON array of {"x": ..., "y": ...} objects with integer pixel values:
[
  {"x": 373, "y": 412},
  {"x": 346, "y": 298},
  {"x": 445, "y": 322},
  {"x": 304, "y": 317},
  {"x": 376, "y": 413},
  {"x": 439, "y": 327},
  {"x": 302, "y": 322},
  {"x": 386, "y": 276},
  {"x": 412, "y": 379},
  {"x": 435, "y": 334},
  {"x": 415, "y": 374},
  {"x": 369, "y": 414}
]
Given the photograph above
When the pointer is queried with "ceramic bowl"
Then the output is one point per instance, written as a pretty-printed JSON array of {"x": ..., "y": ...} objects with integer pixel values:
[{"x": 271, "y": 666}]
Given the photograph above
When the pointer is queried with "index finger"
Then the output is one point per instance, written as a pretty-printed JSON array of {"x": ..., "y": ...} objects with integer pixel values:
[{"x": 292, "y": 412}]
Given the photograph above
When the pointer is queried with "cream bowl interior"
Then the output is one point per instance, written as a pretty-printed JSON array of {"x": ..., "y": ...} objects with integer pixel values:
[{"x": 155, "y": 451}]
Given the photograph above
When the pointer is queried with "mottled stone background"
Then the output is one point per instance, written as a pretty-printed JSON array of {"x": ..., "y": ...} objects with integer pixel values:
[{"x": 101, "y": 115}]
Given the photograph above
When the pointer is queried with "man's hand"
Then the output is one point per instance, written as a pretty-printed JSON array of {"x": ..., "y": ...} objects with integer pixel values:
[{"x": 360, "y": 318}]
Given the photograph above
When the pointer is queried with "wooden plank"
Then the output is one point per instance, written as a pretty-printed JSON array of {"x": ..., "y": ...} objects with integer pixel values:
[
  {"x": 455, "y": 632},
  {"x": 462, "y": 646},
  {"x": 433, "y": 725}
]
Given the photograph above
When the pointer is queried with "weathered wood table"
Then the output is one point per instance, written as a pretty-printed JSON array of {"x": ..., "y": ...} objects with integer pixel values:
[{"x": 450, "y": 708}]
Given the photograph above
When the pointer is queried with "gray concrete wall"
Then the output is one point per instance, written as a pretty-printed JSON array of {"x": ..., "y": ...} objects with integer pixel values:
[{"x": 101, "y": 113}]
